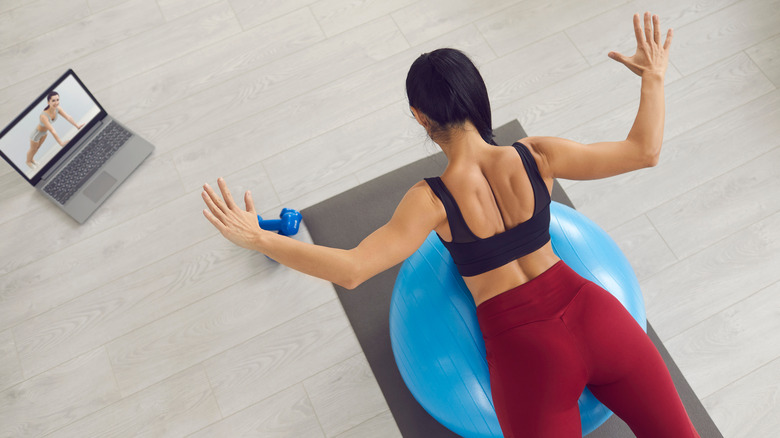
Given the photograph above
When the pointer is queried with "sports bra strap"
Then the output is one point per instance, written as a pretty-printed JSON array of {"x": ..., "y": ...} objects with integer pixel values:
[
  {"x": 541, "y": 195},
  {"x": 458, "y": 227}
]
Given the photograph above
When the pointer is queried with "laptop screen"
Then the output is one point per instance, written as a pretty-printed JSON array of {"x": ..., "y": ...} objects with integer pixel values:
[{"x": 49, "y": 127}]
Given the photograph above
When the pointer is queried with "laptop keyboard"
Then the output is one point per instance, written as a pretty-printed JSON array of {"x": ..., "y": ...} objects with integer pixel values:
[{"x": 89, "y": 160}]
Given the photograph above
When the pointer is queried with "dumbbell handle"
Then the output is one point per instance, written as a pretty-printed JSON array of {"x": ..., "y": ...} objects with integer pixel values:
[{"x": 288, "y": 225}]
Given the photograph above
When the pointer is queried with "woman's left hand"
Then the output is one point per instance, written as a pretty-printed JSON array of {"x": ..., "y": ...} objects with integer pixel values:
[{"x": 237, "y": 225}]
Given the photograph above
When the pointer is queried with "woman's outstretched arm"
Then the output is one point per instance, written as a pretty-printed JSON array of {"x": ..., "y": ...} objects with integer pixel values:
[
  {"x": 414, "y": 218},
  {"x": 69, "y": 118},
  {"x": 572, "y": 160}
]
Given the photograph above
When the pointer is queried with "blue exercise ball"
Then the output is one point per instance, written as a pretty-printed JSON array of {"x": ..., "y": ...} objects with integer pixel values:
[{"x": 437, "y": 342}]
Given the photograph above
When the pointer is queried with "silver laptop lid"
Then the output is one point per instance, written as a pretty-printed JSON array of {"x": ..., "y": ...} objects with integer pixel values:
[{"x": 77, "y": 112}]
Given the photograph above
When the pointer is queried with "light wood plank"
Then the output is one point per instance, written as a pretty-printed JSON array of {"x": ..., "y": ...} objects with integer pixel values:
[
  {"x": 210, "y": 326},
  {"x": 148, "y": 188},
  {"x": 305, "y": 167},
  {"x": 730, "y": 344},
  {"x": 566, "y": 104},
  {"x": 644, "y": 247},
  {"x": 70, "y": 42},
  {"x": 613, "y": 30},
  {"x": 345, "y": 395},
  {"x": 423, "y": 21},
  {"x": 423, "y": 148},
  {"x": 232, "y": 101},
  {"x": 750, "y": 406},
  {"x": 767, "y": 55},
  {"x": 530, "y": 69},
  {"x": 210, "y": 66},
  {"x": 286, "y": 414},
  {"x": 336, "y": 16},
  {"x": 58, "y": 397},
  {"x": 729, "y": 203},
  {"x": 687, "y": 161},
  {"x": 381, "y": 426},
  {"x": 9, "y": 5},
  {"x": 10, "y": 367},
  {"x": 319, "y": 195},
  {"x": 99, "y": 5},
  {"x": 162, "y": 44},
  {"x": 529, "y": 21},
  {"x": 282, "y": 356},
  {"x": 36, "y": 18},
  {"x": 323, "y": 109},
  {"x": 690, "y": 101},
  {"x": 254, "y": 12},
  {"x": 132, "y": 302},
  {"x": 724, "y": 33},
  {"x": 173, "y": 9},
  {"x": 67, "y": 274},
  {"x": 714, "y": 279},
  {"x": 173, "y": 408},
  {"x": 17, "y": 196}
]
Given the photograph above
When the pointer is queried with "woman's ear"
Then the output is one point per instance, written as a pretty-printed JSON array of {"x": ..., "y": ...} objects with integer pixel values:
[{"x": 421, "y": 118}]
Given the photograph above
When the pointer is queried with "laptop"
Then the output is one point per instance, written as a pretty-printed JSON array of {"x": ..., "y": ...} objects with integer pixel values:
[{"x": 68, "y": 148}]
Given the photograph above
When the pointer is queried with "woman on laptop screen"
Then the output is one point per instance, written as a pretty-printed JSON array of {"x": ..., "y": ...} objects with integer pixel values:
[{"x": 40, "y": 132}]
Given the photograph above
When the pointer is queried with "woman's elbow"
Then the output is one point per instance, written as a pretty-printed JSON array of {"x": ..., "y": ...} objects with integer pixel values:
[
  {"x": 349, "y": 283},
  {"x": 352, "y": 279},
  {"x": 651, "y": 159}
]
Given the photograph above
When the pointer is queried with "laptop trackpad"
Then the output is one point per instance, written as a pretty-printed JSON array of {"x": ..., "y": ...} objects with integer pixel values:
[{"x": 99, "y": 186}]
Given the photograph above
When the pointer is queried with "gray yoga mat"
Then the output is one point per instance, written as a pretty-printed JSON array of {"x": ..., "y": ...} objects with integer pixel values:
[{"x": 344, "y": 220}]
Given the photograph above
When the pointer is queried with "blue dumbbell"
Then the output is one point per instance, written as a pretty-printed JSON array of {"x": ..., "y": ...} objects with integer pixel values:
[{"x": 287, "y": 225}]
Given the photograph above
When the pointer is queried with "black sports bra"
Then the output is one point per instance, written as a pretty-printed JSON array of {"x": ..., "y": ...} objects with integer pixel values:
[{"x": 473, "y": 255}]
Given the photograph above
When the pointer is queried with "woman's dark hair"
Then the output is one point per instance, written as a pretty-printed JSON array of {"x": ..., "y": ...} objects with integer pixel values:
[
  {"x": 48, "y": 98},
  {"x": 447, "y": 87}
]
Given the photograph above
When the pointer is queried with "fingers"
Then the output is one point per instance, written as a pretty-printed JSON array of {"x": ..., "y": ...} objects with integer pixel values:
[
  {"x": 213, "y": 203},
  {"x": 214, "y": 221},
  {"x": 656, "y": 30},
  {"x": 638, "y": 30},
  {"x": 668, "y": 42},
  {"x": 231, "y": 204},
  {"x": 648, "y": 28},
  {"x": 617, "y": 57},
  {"x": 250, "y": 203}
]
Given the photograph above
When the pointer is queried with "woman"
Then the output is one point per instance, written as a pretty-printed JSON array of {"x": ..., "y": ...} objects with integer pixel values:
[
  {"x": 548, "y": 332},
  {"x": 47, "y": 117}
]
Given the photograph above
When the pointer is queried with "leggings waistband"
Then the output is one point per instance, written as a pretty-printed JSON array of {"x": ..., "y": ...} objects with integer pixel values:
[{"x": 543, "y": 297}]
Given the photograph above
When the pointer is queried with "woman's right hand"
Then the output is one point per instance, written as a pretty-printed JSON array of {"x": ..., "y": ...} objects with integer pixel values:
[{"x": 650, "y": 56}]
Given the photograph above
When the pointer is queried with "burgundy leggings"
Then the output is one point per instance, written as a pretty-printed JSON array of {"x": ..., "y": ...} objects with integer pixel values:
[{"x": 549, "y": 338}]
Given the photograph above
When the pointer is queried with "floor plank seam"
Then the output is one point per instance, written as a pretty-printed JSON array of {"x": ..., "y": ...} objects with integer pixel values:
[
  {"x": 313, "y": 408},
  {"x": 324, "y": 133},
  {"x": 763, "y": 288},
  {"x": 403, "y": 35},
  {"x": 663, "y": 239},
  {"x": 366, "y": 421},
  {"x": 324, "y": 34},
  {"x": 714, "y": 393},
  {"x": 717, "y": 311},
  {"x": 226, "y": 348},
  {"x": 102, "y": 285}
]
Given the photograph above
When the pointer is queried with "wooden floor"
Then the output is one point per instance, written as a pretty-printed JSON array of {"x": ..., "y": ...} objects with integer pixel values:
[{"x": 145, "y": 322}]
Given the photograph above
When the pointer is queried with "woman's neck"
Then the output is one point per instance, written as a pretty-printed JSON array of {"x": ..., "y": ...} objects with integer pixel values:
[{"x": 462, "y": 143}]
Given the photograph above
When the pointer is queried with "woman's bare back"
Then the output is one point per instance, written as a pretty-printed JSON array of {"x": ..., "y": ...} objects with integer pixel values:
[{"x": 494, "y": 194}]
